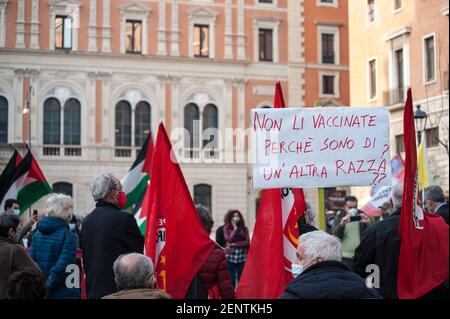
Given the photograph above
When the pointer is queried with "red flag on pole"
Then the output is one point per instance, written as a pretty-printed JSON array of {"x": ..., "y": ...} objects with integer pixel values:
[
  {"x": 275, "y": 238},
  {"x": 423, "y": 262},
  {"x": 175, "y": 238}
]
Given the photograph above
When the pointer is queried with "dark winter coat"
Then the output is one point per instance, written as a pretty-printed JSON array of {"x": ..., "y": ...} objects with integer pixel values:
[
  {"x": 329, "y": 280},
  {"x": 215, "y": 272},
  {"x": 443, "y": 211},
  {"x": 54, "y": 248},
  {"x": 380, "y": 245},
  {"x": 107, "y": 233},
  {"x": 13, "y": 257}
]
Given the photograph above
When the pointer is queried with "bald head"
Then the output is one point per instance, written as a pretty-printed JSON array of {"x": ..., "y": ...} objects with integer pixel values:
[{"x": 133, "y": 271}]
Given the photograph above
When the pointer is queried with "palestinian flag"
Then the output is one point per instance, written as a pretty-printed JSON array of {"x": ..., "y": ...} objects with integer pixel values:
[
  {"x": 27, "y": 185},
  {"x": 6, "y": 178},
  {"x": 136, "y": 180}
]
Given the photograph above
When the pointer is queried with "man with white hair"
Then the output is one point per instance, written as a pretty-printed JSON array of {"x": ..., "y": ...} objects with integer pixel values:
[
  {"x": 135, "y": 279},
  {"x": 319, "y": 273},
  {"x": 380, "y": 246},
  {"x": 107, "y": 233}
]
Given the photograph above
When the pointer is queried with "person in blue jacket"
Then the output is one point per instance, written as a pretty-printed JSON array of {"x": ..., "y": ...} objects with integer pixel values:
[{"x": 54, "y": 248}]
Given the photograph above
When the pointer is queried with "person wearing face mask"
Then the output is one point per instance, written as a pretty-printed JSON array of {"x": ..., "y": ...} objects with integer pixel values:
[
  {"x": 237, "y": 241},
  {"x": 13, "y": 256},
  {"x": 107, "y": 233},
  {"x": 349, "y": 226},
  {"x": 12, "y": 207},
  {"x": 135, "y": 279},
  {"x": 319, "y": 273},
  {"x": 54, "y": 247}
]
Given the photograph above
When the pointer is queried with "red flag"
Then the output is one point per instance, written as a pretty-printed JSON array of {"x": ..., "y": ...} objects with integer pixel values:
[
  {"x": 423, "y": 262},
  {"x": 175, "y": 238},
  {"x": 275, "y": 238}
]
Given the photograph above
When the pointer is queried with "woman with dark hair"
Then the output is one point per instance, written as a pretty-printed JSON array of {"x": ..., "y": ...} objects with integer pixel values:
[{"x": 237, "y": 242}]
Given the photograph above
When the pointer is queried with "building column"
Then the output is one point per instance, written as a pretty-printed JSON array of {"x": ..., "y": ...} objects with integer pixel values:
[
  {"x": 17, "y": 95},
  {"x": 228, "y": 31},
  {"x": 92, "y": 29},
  {"x": 161, "y": 94},
  {"x": 175, "y": 32},
  {"x": 241, "y": 55},
  {"x": 106, "y": 36},
  {"x": 34, "y": 37},
  {"x": 3, "y": 5},
  {"x": 20, "y": 25},
  {"x": 162, "y": 28}
]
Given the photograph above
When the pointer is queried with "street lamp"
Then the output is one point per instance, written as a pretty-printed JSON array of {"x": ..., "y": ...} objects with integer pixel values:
[{"x": 420, "y": 119}]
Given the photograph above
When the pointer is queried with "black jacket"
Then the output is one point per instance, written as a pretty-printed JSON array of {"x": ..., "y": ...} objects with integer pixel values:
[
  {"x": 380, "y": 245},
  {"x": 329, "y": 280},
  {"x": 220, "y": 238},
  {"x": 107, "y": 233},
  {"x": 443, "y": 211}
]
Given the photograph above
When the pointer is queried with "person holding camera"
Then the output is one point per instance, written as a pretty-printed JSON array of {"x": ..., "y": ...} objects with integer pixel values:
[{"x": 349, "y": 226}]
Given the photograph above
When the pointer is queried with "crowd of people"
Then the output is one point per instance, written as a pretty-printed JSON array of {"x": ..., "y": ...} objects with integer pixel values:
[{"x": 329, "y": 264}]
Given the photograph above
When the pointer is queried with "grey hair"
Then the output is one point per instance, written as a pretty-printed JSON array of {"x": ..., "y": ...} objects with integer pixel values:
[
  {"x": 61, "y": 206},
  {"x": 435, "y": 194},
  {"x": 397, "y": 196},
  {"x": 102, "y": 184},
  {"x": 132, "y": 271},
  {"x": 321, "y": 244}
]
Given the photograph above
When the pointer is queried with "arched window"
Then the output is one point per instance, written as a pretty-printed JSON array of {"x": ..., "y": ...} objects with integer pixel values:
[
  {"x": 63, "y": 188},
  {"x": 72, "y": 122},
  {"x": 142, "y": 120},
  {"x": 52, "y": 122},
  {"x": 210, "y": 121},
  {"x": 123, "y": 124},
  {"x": 3, "y": 120},
  {"x": 202, "y": 195},
  {"x": 192, "y": 125}
]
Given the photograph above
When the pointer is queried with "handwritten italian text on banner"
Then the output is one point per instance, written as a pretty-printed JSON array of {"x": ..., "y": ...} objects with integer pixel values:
[{"x": 321, "y": 147}]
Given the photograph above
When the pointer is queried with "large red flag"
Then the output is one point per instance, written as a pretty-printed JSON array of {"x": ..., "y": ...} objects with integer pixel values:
[
  {"x": 275, "y": 237},
  {"x": 175, "y": 238},
  {"x": 423, "y": 262}
]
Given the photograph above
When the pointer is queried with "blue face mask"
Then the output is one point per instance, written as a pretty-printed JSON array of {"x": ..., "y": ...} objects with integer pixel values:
[
  {"x": 72, "y": 227},
  {"x": 17, "y": 212},
  {"x": 297, "y": 269}
]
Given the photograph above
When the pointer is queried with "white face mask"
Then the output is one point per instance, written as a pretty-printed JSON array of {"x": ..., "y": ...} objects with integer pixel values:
[
  {"x": 236, "y": 220},
  {"x": 297, "y": 269}
]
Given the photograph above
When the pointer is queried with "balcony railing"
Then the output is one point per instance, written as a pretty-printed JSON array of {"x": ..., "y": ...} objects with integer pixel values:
[
  {"x": 328, "y": 58},
  {"x": 57, "y": 150},
  {"x": 394, "y": 96}
]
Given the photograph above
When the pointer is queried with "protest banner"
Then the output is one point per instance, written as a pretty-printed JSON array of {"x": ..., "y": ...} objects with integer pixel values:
[{"x": 326, "y": 147}]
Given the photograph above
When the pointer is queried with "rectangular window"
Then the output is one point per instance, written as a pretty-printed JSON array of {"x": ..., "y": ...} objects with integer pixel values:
[
  {"x": 265, "y": 45},
  {"x": 432, "y": 136},
  {"x": 326, "y": 1},
  {"x": 201, "y": 41},
  {"x": 265, "y": 1},
  {"x": 328, "y": 84},
  {"x": 399, "y": 143},
  {"x": 372, "y": 79},
  {"x": 370, "y": 11},
  {"x": 399, "y": 88},
  {"x": 397, "y": 4},
  {"x": 63, "y": 32},
  {"x": 133, "y": 32},
  {"x": 430, "y": 74},
  {"x": 328, "y": 48}
]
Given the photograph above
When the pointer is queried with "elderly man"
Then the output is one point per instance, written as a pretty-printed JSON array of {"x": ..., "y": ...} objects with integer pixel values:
[
  {"x": 107, "y": 233},
  {"x": 380, "y": 245},
  {"x": 135, "y": 279},
  {"x": 319, "y": 273},
  {"x": 435, "y": 201}
]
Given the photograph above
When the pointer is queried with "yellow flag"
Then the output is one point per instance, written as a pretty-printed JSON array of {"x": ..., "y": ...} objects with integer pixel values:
[{"x": 422, "y": 164}]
